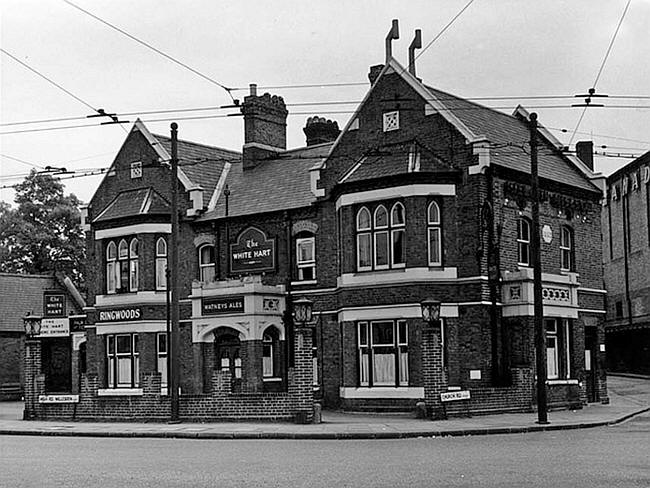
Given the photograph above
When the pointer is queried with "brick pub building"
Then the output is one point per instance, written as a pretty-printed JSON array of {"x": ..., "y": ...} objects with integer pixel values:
[
  {"x": 626, "y": 255},
  {"x": 421, "y": 195}
]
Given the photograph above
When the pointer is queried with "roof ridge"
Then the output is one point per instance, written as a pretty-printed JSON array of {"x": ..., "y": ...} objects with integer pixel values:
[
  {"x": 185, "y": 141},
  {"x": 457, "y": 97}
]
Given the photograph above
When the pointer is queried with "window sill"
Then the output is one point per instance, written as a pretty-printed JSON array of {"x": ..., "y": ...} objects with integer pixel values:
[
  {"x": 271, "y": 380},
  {"x": 120, "y": 392},
  {"x": 304, "y": 282},
  {"x": 561, "y": 382},
  {"x": 382, "y": 392}
]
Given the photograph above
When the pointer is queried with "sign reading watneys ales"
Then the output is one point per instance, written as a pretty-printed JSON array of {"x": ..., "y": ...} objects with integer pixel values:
[
  {"x": 252, "y": 252},
  {"x": 121, "y": 315}
]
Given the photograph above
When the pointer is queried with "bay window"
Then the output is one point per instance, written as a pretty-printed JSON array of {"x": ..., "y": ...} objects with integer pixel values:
[
  {"x": 122, "y": 266},
  {"x": 381, "y": 239}
]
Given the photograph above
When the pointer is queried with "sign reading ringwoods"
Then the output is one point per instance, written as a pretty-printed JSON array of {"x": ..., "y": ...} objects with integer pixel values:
[{"x": 252, "y": 252}]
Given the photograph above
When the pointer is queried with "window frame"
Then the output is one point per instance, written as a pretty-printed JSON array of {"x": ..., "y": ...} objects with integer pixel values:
[
  {"x": 162, "y": 358},
  {"x": 161, "y": 265},
  {"x": 122, "y": 265},
  {"x": 113, "y": 363},
  {"x": 209, "y": 267},
  {"x": 560, "y": 360},
  {"x": 134, "y": 254},
  {"x": 434, "y": 226},
  {"x": 302, "y": 265},
  {"x": 364, "y": 232},
  {"x": 566, "y": 248},
  {"x": 378, "y": 235},
  {"x": 397, "y": 228},
  {"x": 111, "y": 263},
  {"x": 522, "y": 243},
  {"x": 368, "y": 347},
  {"x": 390, "y": 121}
]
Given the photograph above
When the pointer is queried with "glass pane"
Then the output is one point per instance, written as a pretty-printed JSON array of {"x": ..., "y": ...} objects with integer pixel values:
[
  {"x": 363, "y": 219},
  {"x": 363, "y": 334},
  {"x": 381, "y": 217},
  {"x": 111, "y": 251},
  {"x": 523, "y": 253},
  {"x": 434, "y": 245},
  {"x": 207, "y": 273},
  {"x": 381, "y": 248},
  {"x": 403, "y": 367},
  {"x": 134, "y": 248},
  {"x": 434, "y": 213},
  {"x": 363, "y": 366},
  {"x": 403, "y": 333},
  {"x": 398, "y": 247},
  {"x": 124, "y": 371},
  {"x": 123, "y": 249},
  {"x": 267, "y": 366},
  {"x": 134, "y": 275},
  {"x": 124, "y": 274},
  {"x": 551, "y": 326},
  {"x": 398, "y": 214},
  {"x": 383, "y": 367},
  {"x": 207, "y": 255},
  {"x": 111, "y": 373},
  {"x": 363, "y": 249},
  {"x": 123, "y": 344},
  {"x": 162, "y": 343},
  {"x": 307, "y": 273},
  {"x": 305, "y": 250},
  {"x": 110, "y": 277},
  {"x": 136, "y": 349},
  {"x": 110, "y": 344},
  {"x": 161, "y": 247},
  {"x": 237, "y": 365},
  {"x": 382, "y": 333},
  {"x": 314, "y": 364},
  {"x": 161, "y": 277},
  {"x": 162, "y": 369}
]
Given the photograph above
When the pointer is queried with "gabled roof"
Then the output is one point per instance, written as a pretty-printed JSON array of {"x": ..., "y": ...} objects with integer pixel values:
[
  {"x": 202, "y": 165},
  {"x": 275, "y": 184},
  {"x": 20, "y": 293},
  {"x": 503, "y": 129},
  {"x": 394, "y": 160},
  {"x": 142, "y": 201}
]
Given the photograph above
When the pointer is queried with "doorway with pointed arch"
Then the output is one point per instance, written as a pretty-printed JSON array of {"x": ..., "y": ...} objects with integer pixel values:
[{"x": 227, "y": 346}]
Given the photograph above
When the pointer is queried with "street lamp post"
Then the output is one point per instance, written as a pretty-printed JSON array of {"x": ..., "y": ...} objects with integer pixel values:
[{"x": 32, "y": 325}]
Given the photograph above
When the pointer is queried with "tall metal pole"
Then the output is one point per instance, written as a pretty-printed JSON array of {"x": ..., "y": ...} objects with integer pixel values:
[
  {"x": 173, "y": 265},
  {"x": 538, "y": 306}
]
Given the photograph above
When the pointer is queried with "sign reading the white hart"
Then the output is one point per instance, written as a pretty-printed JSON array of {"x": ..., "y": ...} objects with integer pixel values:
[{"x": 252, "y": 252}]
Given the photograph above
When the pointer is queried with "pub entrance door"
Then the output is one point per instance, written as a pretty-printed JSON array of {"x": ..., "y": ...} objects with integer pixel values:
[
  {"x": 57, "y": 364},
  {"x": 228, "y": 352}
]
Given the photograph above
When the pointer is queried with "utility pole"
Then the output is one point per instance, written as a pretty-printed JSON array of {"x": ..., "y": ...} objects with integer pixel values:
[
  {"x": 538, "y": 306},
  {"x": 173, "y": 265}
]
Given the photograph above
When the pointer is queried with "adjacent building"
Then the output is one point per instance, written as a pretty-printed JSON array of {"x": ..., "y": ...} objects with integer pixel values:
[
  {"x": 421, "y": 195},
  {"x": 626, "y": 256},
  {"x": 54, "y": 298}
]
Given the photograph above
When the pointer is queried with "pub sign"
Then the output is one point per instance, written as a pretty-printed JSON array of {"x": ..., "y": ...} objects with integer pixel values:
[
  {"x": 54, "y": 305},
  {"x": 222, "y": 305},
  {"x": 252, "y": 252}
]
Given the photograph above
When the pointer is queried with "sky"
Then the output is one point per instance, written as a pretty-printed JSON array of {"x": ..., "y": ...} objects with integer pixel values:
[{"x": 495, "y": 48}]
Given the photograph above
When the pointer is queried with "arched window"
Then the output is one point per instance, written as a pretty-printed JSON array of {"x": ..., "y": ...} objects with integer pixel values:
[
  {"x": 381, "y": 237},
  {"x": 434, "y": 230},
  {"x": 523, "y": 242},
  {"x": 133, "y": 265},
  {"x": 271, "y": 353},
  {"x": 111, "y": 267},
  {"x": 206, "y": 263},
  {"x": 566, "y": 249},
  {"x": 123, "y": 258},
  {"x": 364, "y": 240},
  {"x": 161, "y": 264},
  {"x": 381, "y": 240},
  {"x": 398, "y": 235}
]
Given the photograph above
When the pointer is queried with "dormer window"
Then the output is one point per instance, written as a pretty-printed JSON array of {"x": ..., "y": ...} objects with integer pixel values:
[{"x": 391, "y": 121}]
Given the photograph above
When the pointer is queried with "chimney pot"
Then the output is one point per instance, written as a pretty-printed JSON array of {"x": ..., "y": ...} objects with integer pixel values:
[
  {"x": 253, "y": 89},
  {"x": 320, "y": 130},
  {"x": 265, "y": 126}
]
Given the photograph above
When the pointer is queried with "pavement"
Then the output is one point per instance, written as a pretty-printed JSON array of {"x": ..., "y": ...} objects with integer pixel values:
[{"x": 629, "y": 396}]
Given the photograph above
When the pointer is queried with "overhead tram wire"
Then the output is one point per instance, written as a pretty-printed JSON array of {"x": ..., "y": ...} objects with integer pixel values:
[
  {"x": 156, "y": 50},
  {"x": 98, "y": 111},
  {"x": 34, "y": 165},
  {"x": 600, "y": 71}
]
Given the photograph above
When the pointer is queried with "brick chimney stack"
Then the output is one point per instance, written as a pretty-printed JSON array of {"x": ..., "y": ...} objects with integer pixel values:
[
  {"x": 585, "y": 151},
  {"x": 319, "y": 130},
  {"x": 265, "y": 126},
  {"x": 374, "y": 72}
]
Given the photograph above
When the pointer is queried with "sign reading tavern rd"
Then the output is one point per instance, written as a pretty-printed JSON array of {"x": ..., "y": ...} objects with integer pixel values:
[
  {"x": 222, "y": 305},
  {"x": 252, "y": 252},
  {"x": 124, "y": 314}
]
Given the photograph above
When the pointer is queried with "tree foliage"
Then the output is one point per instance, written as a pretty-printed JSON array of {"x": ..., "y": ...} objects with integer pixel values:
[{"x": 43, "y": 233}]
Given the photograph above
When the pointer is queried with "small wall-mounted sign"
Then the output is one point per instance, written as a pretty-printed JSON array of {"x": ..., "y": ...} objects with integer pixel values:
[
  {"x": 58, "y": 399},
  {"x": 222, "y": 305},
  {"x": 77, "y": 323},
  {"x": 475, "y": 374},
  {"x": 547, "y": 234},
  {"x": 454, "y": 395},
  {"x": 55, "y": 327},
  {"x": 124, "y": 314},
  {"x": 252, "y": 252},
  {"x": 54, "y": 305}
]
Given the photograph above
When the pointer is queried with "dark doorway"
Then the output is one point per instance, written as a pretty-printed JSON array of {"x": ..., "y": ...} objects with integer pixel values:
[
  {"x": 591, "y": 363},
  {"x": 228, "y": 356},
  {"x": 57, "y": 364}
]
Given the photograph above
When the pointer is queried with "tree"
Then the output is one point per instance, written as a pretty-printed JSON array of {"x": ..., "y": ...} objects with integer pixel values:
[{"x": 42, "y": 234}]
